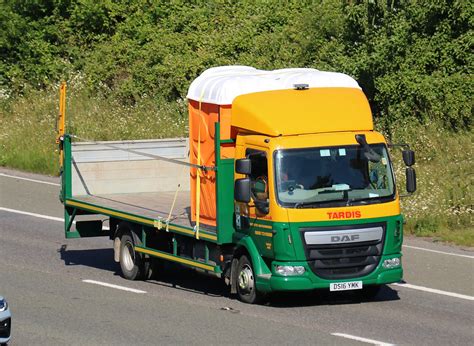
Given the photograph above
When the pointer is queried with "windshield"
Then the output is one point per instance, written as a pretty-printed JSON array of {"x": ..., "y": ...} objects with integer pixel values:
[{"x": 333, "y": 176}]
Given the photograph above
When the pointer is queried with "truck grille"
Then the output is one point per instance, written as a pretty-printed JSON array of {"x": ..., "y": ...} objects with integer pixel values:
[{"x": 344, "y": 252}]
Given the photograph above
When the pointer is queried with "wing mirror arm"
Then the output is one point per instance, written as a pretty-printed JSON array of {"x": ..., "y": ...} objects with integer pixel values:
[{"x": 369, "y": 153}]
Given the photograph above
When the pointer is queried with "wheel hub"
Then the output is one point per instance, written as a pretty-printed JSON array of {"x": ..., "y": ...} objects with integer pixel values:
[{"x": 245, "y": 280}]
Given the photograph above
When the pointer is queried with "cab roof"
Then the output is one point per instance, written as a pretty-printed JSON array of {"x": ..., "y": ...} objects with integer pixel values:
[{"x": 221, "y": 85}]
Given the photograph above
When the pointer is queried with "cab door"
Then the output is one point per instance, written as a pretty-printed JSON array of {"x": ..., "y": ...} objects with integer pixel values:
[{"x": 254, "y": 218}]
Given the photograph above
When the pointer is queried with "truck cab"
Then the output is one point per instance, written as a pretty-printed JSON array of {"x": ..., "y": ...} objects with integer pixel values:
[
  {"x": 319, "y": 211},
  {"x": 315, "y": 190}
]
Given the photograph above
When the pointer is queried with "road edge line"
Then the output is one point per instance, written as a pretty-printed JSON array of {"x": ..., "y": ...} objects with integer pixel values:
[
  {"x": 436, "y": 251},
  {"x": 41, "y": 216},
  {"x": 29, "y": 179},
  {"x": 434, "y": 290},
  {"x": 358, "y": 338},
  {"x": 53, "y": 218}
]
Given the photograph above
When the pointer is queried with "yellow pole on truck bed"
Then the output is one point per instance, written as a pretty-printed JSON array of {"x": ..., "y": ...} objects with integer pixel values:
[
  {"x": 198, "y": 177},
  {"x": 61, "y": 119}
]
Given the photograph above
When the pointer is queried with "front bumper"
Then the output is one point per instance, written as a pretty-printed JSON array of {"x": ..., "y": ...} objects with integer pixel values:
[{"x": 309, "y": 281}]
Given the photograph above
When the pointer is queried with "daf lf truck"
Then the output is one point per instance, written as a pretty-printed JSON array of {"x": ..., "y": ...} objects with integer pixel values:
[{"x": 282, "y": 185}]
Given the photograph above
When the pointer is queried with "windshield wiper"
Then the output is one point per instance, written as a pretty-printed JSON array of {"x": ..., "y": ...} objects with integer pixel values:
[
  {"x": 301, "y": 205},
  {"x": 313, "y": 203},
  {"x": 366, "y": 200},
  {"x": 344, "y": 197}
]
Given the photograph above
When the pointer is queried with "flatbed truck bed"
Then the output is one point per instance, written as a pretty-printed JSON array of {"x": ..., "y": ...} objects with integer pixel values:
[
  {"x": 153, "y": 205},
  {"x": 130, "y": 181}
]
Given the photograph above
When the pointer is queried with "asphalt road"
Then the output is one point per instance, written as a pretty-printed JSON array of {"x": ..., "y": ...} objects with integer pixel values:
[{"x": 42, "y": 275}]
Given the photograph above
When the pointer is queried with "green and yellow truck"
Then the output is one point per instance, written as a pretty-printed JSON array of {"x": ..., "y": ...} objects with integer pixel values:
[{"x": 282, "y": 185}]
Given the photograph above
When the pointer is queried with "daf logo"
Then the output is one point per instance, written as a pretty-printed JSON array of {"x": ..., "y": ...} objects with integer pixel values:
[{"x": 344, "y": 238}]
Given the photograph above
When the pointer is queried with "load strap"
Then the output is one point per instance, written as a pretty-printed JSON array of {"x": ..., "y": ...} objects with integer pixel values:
[{"x": 173, "y": 204}]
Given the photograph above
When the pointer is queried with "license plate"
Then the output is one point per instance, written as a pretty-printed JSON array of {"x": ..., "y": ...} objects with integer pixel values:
[{"x": 345, "y": 286}]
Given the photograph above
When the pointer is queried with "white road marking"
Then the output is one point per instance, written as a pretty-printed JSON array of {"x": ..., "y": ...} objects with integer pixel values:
[
  {"x": 433, "y": 290},
  {"x": 113, "y": 286},
  {"x": 358, "y": 338},
  {"x": 436, "y": 251},
  {"x": 105, "y": 228},
  {"x": 28, "y": 179},
  {"x": 33, "y": 214}
]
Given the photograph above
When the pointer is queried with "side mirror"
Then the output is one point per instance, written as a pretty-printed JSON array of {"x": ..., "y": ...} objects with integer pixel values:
[
  {"x": 242, "y": 190},
  {"x": 411, "y": 179},
  {"x": 243, "y": 166},
  {"x": 408, "y": 157}
]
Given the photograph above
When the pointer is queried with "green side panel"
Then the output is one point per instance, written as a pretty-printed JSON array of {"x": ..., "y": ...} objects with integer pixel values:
[
  {"x": 262, "y": 234},
  {"x": 283, "y": 241},
  {"x": 225, "y": 201},
  {"x": 66, "y": 188},
  {"x": 66, "y": 178},
  {"x": 224, "y": 191}
]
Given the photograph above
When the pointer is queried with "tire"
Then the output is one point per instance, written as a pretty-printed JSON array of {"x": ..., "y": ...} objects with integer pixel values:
[
  {"x": 133, "y": 264},
  {"x": 246, "y": 288}
]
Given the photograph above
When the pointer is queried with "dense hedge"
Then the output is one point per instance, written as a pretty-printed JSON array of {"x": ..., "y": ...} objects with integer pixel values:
[{"x": 413, "y": 58}]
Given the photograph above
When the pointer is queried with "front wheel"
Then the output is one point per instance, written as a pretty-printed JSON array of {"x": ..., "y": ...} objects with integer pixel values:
[{"x": 246, "y": 288}]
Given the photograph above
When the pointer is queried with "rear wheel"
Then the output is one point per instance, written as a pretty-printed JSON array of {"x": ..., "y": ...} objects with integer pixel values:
[
  {"x": 246, "y": 288},
  {"x": 133, "y": 264}
]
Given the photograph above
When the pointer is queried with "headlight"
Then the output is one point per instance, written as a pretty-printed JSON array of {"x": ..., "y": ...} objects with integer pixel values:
[
  {"x": 391, "y": 263},
  {"x": 290, "y": 270},
  {"x": 3, "y": 305}
]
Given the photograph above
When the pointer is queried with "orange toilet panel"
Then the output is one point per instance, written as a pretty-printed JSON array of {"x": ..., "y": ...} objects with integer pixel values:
[{"x": 202, "y": 119}]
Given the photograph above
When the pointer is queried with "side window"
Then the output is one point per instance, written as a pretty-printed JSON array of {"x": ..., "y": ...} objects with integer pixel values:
[
  {"x": 259, "y": 175},
  {"x": 378, "y": 172}
]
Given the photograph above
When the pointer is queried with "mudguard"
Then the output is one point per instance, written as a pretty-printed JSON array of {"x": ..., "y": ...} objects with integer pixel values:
[{"x": 261, "y": 271}]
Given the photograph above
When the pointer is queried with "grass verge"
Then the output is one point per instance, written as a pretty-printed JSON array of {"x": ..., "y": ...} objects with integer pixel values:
[
  {"x": 442, "y": 206},
  {"x": 28, "y": 125}
]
